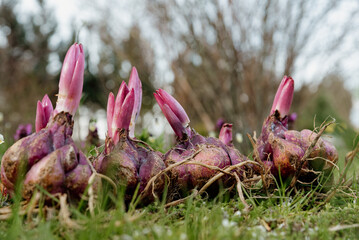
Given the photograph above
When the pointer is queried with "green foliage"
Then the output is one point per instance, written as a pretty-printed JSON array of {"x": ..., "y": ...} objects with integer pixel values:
[
  {"x": 4, "y": 146},
  {"x": 198, "y": 219},
  {"x": 156, "y": 143}
]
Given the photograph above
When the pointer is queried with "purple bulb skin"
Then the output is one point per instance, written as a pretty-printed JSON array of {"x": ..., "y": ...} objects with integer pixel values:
[
  {"x": 49, "y": 172},
  {"x": 152, "y": 164},
  {"x": 129, "y": 164},
  {"x": 322, "y": 150},
  {"x": 29, "y": 150},
  {"x": 120, "y": 166},
  {"x": 213, "y": 152},
  {"x": 46, "y": 158},
  {"x": 76, "y": 180},
  {"x": 285, "y": 155}
]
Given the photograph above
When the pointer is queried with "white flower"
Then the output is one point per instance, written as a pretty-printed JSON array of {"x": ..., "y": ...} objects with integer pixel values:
[
  {"x": 146, "y": 231},
  {"x": 1, "y": 139},
  {"x": 125, "y": 237},
  {"x": 158, "y": 230},
  {"x": 282, "y": 225},
  {"x": 237, "y": 213},
  {"x": 183, "y": 236},
  {"x": 239, "y": 137},
  {"x": 227, "y": 224},
  {"x": 136, "y": 233}
]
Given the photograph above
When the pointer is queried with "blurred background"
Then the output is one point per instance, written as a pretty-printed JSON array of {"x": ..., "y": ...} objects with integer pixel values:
[{"x": 223, "y": 60}]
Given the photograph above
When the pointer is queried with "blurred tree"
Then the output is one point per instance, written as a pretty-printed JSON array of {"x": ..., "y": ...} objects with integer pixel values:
[
  {"x": 329, "y": 98},
  {"x": 119, "y": 56},
  {"x": 230, "y": 55},
  {"x": 24, "y": 57},
  {"x": 93, "y": 90}
]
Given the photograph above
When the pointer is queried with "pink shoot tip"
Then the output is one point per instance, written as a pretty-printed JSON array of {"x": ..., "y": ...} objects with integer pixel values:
[
  {"x": 174, "y": 112},
  {"x": 119, "y": 111},
  {"x": 284, "y": 96},
  {"x": 43, "y": 113},
  {"x": 71, "y": 80},
  {"x": 225, "y": 134},
  {"x": 110, "y": 110},
  {"x": 135, "y": 83}
]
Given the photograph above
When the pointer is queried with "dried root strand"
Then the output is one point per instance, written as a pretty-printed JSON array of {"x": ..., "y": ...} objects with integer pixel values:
[
  {"x": 228, "y": 171},
  {"x": 324, "y": 159},
  {"x": 91, "y": 181},
  {"x": 143, "y": 143},
  {"x": 348, "y": 160},
  {"x": 182, "y": 200},
  {"x": 209, "y": 167},
  {"x": 151, "y": 182},
  {"x": 26, "y": 208},
  {"x": 257, "y": 158},
  {"x": 31, "y": 207},
  {"x": 65, "y": 216},
  {"x": 240, "y": 193},
  {"x": 91, "y": 202}
]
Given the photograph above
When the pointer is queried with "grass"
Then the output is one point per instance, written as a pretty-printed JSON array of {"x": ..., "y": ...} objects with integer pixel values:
[
  {"x": 286, "y": 215},
  {"x": 219, "y": 218}
]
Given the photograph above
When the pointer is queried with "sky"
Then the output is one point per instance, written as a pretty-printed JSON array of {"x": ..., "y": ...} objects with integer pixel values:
[{"x": 77, "y": 13}]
